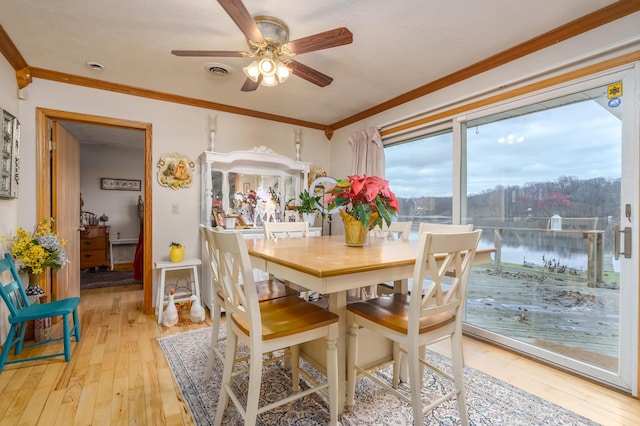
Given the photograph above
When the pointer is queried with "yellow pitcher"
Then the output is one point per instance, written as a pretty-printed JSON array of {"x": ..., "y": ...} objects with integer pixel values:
[{"x": 177, "y": 252}]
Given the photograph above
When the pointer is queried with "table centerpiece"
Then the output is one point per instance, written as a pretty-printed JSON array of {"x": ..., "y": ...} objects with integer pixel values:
[{"x": 367, "y": 201}]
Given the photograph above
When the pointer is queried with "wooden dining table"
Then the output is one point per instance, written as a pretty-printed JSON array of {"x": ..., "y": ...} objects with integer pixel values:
[{"x": 328, "y": 266}]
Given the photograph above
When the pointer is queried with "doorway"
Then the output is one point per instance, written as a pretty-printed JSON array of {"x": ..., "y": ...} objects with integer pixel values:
[{"x": 48, "y": 176}]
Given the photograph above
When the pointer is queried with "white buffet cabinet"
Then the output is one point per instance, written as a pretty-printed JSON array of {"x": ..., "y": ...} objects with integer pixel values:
[{"x": 225, "y": 174}]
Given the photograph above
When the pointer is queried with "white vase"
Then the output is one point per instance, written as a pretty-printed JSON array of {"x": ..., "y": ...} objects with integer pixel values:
[{"x": 310, "y": 218}]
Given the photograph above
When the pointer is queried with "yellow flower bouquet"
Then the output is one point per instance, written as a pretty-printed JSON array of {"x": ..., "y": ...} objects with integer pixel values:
[{"x": 41, "y": 249}]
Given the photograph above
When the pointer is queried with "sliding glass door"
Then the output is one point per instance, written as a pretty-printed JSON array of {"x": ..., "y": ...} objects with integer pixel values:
[{"x": 553, "y": 184}]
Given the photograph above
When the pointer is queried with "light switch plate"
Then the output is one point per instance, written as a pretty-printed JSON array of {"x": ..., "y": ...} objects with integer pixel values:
[{"x": 175, "y": 208}]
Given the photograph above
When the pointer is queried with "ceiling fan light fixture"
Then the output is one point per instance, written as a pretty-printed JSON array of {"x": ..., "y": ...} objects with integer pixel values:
[
  {"x": 269, "y": 80},
  {"x": 282, "y": 72},
  {"x": 269, "y": 44},
  {"x": 252, "y": 71},
  {"x": 267, "y": 66}
]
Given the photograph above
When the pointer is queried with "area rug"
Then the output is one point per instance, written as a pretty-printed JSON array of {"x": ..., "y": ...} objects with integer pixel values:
[
  {"x": 490, "y": 401},
  {"x": 105, "y": 278}
]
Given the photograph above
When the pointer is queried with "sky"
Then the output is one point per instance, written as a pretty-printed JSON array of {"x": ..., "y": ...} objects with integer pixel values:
[{"x": 581, "y": 140}]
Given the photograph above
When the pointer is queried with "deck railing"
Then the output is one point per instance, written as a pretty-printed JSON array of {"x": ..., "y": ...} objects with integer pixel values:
[{"x": 571, "y": 227}]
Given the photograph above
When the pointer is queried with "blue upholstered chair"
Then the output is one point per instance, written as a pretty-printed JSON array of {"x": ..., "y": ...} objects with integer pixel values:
[{"x": 21, "y": 311}]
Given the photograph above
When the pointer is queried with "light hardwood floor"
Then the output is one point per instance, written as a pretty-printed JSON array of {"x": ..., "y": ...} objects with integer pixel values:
[{"x": 118, "y": 374}]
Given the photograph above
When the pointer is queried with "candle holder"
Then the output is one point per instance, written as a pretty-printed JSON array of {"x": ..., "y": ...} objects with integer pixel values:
[
  {"x": 212, "y": 133},
  {"x": 297, "y": 133}
]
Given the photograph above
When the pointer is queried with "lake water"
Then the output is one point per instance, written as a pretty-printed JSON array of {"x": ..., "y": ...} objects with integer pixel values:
[{"x": 569, "y": 252}]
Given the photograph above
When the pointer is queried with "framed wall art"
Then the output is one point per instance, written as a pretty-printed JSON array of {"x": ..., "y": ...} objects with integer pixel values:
[
  {"x": 9, "y": 159},
  {"x": 121, "y": 184},
  {"x": 220, "y": 218}
]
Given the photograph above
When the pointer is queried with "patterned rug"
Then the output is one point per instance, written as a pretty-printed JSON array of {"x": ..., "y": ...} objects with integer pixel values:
[
  {"x": 490, "y": 401},
  {"x": 91, "y": 278}
]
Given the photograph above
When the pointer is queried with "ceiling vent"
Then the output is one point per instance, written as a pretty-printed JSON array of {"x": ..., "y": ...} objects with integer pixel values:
[
  {"x": 218, "y": 70},
  {"x": 95, "y": 66}
]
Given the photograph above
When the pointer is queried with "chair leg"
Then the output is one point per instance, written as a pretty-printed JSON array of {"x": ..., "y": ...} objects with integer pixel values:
[
  {"x": 295, "y": 367},
  {"x": 225, "y": 385},
  {"x": 397, "y": 364},
  {"x": 413, "y": 359},
  {"x": 76, "y": 325},
  {"x": 457, "y": 360},
  {"x": 215, "y": 330},
  {"x": 7, "y": 346},
  {"x": 352, "y": 355},
  {"x": 20, "y": 341},
  {"x": 332, "y": 379},
  {"x": 373, "y": 291},
  {"x": 423, "y": 368},
  {"x": 67, "y": 337},
  {"x": 253, "y": 396}
]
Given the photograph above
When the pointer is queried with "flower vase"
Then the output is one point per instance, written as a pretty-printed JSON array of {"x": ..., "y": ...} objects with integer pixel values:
[
  {"x": 33, "y": 291},
  {"x": 310, "y": 218},
  {"x": 355, "y": 233}
]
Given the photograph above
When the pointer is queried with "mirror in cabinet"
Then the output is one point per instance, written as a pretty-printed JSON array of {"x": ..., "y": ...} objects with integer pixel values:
[
  {"x": 254, "y": 185},
  {"x": 256, "y": 198}
]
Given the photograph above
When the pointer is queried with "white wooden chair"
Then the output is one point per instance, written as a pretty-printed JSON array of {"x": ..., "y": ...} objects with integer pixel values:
[
  {"x": 266, "y": 327},
  {"x": 274, "y": 230},
  {"x": 440, "y": 228},
  {"x": 267, "y": 290},
  {"x": 286, "y": 230},
  {"x": 436, "y": 228},
  {"x": 413, "y": 322},
  {"x": 395, "y": 231}
]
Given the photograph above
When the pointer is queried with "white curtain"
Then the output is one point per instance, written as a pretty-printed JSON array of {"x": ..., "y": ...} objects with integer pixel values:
[{"x": 368, "y": 153}]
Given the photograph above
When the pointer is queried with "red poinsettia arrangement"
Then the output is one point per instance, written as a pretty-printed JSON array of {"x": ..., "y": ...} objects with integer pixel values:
[{"x": 362, "y": 197}]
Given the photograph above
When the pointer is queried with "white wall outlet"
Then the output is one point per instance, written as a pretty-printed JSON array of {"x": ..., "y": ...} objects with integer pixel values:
[{"x": 175, "y": 208}]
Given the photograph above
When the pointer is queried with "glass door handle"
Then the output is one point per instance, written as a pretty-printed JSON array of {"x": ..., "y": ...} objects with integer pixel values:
[{"x": 627, "y": 242}]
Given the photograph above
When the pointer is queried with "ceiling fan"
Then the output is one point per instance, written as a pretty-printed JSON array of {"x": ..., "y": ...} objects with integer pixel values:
[{"x": 269, "y": 45}]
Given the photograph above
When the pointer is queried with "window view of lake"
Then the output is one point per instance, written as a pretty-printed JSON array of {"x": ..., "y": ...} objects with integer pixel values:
[{"x": 546, "y": 204}]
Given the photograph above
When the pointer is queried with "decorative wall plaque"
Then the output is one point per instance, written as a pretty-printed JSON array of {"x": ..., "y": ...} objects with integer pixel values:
[{"x": 175, "y": 171}]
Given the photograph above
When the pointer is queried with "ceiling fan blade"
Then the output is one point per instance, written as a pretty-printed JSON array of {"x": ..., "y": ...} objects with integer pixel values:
[
  {"x": 308, "y": 73},
  {"x": 220, "y": 53},
  {"x": 243, "y": 19},
  {"x": 332, "y": 38},
  {"x": 250, "y": 85}
]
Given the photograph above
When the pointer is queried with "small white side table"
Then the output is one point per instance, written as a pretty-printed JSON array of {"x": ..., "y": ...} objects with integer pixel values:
[
  {"x": 182, "y": 292},
  {"x": 123, "y": 241}
]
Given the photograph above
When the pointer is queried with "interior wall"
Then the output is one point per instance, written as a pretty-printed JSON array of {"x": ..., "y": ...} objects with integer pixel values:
[
  {"x": 121, "y": 207},
  {"x": 175, "y": 128}
]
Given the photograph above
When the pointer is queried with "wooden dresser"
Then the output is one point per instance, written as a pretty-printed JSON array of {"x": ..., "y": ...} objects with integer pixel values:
[{"x": 94, "y": 246}]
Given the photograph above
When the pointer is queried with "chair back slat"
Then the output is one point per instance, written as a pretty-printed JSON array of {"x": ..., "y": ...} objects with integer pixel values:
[
  {"x": 12, "y": 292},
  {"x": 212, "y": 256},
  {"x": 236, "y": 277},
  {"x": 441, "y": 228},
  {"x": 286, "y": 230},
  {"x": 444, "y": 260},
  {"x": 395, "y": 231}
]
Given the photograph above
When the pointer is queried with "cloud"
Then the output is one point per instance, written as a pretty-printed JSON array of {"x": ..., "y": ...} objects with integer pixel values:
[{"x": 582, "y": 140}]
